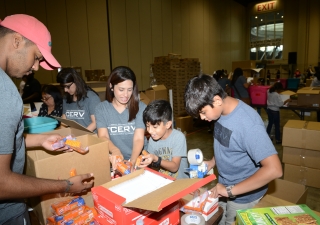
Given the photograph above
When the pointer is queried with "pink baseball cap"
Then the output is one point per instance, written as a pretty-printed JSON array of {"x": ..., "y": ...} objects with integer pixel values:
[{"x": 35, "y": 31}]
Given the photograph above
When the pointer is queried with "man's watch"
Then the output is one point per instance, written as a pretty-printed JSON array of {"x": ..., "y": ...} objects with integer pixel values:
[
  {"x": 230, "y": 195},
  {"x": 158, "y": 163}
]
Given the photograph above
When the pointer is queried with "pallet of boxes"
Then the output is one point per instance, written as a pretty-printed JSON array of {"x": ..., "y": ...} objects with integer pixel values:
[
  {"x": 301, "y": 152},
  {"x": 175, "y": 72}
]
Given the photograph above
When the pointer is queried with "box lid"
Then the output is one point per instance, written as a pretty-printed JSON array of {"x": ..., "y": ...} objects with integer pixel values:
[
  {"x": 73, "y": 124},
  {"x": 309, "y": 90},
  {"x": 287, "y": 93},
  {"x": 157, "y": 87},
  {"x": 162, "y": 197}
]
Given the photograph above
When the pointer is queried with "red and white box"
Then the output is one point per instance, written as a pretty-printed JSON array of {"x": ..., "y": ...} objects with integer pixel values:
[{"x": 143, "y": 195}]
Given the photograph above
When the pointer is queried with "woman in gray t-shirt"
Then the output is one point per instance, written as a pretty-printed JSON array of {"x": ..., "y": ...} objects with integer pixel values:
[
  {"x": 80, "y": 100},
  {"x": 119, "y": 118}
]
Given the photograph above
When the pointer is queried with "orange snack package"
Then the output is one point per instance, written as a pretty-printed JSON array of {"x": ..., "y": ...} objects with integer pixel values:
[
  {"x": 76, "y": 145},
  {"x": 65, "y": 206},
  {"x": 123, "y": 168},
  {"x": 139, "y": 159},
  {"x": 84, "y": 218},
  {"x": 61, "y": 220}
]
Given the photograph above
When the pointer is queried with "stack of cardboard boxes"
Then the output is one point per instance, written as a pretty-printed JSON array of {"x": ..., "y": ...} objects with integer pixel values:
[
  {"x": 301, "y": 152},
  {"x": 95, "y": 75},
  {"x": 175, "y": 72}
]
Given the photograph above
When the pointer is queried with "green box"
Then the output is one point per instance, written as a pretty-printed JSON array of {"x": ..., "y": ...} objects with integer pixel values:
[{"x": 295, "y": 214}]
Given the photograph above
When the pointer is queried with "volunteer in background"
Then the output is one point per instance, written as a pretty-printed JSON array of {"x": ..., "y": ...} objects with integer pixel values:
[
  {"x": 240, "y": 86},
  {"x": 316, "y": 83},
  {"x": 25, "y": 44},
  {"x": 52, "y": 102},
  {"x": 274, "y": 102},
  {"x": 167, "y": 146},
  {"x": 31, "y": 91},
  {"x": 243, "y": 152},
  {"x": 119, "y": 118},
  {"x": 80, "y": 100}
]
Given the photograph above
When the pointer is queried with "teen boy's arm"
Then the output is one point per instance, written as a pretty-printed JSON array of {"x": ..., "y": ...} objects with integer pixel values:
[{"x": 270, "y": 169}]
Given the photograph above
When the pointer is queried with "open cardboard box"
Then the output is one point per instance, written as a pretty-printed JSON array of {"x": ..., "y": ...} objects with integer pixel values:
[
  {"x": 301, "y": 134},
  {"x": 73, "y": 124},
  {"x": 150, "y": 206},
  {"x": 157, "y": 92},
  {"x": 144, "y": 98},
  {"x": 58, "y": 165}
]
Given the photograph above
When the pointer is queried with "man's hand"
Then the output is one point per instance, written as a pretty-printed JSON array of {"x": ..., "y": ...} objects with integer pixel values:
[
  {"x": 48, "y": 140},
  {"x": 218, "y": 191},
  {"x": 80, "y": 183}
]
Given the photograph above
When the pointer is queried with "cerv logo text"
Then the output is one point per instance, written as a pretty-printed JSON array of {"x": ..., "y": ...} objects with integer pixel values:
[{"x": 75, "y": 114}]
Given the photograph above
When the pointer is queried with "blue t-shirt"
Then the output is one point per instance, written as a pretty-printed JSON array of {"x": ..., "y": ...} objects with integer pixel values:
[
  {"x": 240, "y": 143},
  {"x": 120, "y": 131},
  {"x": 238, "y": 87},
  {"x": 11, "y": 140}
]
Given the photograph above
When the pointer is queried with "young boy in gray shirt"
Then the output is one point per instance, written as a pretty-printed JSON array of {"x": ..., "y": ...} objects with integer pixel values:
[{"x": 167, "y": 146}]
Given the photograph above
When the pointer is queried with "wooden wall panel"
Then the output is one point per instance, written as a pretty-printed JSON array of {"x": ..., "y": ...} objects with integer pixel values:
[
  {"x": 78, "y": 33},
  {"x": 185, "y": 28},
  {"x": 98, "y": 35},
  {"x": 225, "y": 30},
  {"x": 166, "y": 26},
  {"x": 146, "y": 42},
  {"x": 196, "y": 30},
  {"x": 206, "y": 38},
  {"x": 118, "y": 33},
  {"x": 214, "y": 45},
  {"x": 176, "y": 27},
  {"x": 157, "y": 29},
  {"x": 134, "y": 47}
]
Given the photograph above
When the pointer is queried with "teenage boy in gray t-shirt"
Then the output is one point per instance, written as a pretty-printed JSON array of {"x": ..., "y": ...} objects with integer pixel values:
[{"x": 167, "y": 146}]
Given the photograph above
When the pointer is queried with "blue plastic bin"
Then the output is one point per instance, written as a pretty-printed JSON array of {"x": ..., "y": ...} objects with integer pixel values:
[
  {"x": 293, "y": 83},
  {"x": 37, "y": 125}
]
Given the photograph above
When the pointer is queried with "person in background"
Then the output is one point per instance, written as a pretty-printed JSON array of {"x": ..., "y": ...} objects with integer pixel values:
[
  {"x": 274, "y": 101},
  {"x": 278, "y": 74},
  {"x": 119, "y": 118},
  {"x": 22, "y": 83},
  {"x": 167, "y": 146},
  {"x": 310, "y": 72},
  {"x": 31, "y": 91},
  {"x": 240, "y": 86},
  {"x": 225, "y": 83},
  {"x": 25, "y": 43},
  {"x": 245, "y": 165},
  {"x": 80, "y": 100},
  {"x": 316, "y": 83},
  {"x": 297, "y": 73},
  {"x": 52, "y": 102}
]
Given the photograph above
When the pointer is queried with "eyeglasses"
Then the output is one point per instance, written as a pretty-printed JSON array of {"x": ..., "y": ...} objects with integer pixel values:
[
  {"x": 66, "y": 86},
  {"x": 46, "y": 99}
]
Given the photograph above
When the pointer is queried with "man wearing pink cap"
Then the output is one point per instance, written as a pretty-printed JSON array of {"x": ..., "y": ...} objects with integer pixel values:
[{"x": 25, "y": 43}]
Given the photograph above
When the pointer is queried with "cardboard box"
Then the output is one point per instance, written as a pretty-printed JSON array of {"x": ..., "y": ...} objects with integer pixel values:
[
  {"x": 115, "y": 208},
  {"x": 301, "y": 157},
  {"x": 57, "y": 165},
  {"x": 301, "y": 134},
  {"x": 185, "y": 123},
  {"x": 288, "y": 191},
  {"x": 286, "y": 95},
  {"x": 157, "y": 92},
  {"x": 309, "y": 96},
  {"x": 302, "y": 175},
  {"x": 144, "y": 98},
  {"x": 73, "y": 124},
  {"x": 273, "y": 215}
]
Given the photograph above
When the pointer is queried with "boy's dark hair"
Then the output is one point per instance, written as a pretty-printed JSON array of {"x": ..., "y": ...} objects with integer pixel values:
[
  {"x": 118, "y": 75},
  {"x": 70, "y": 75},
  {"x": 277, "y": 86},
  {"x": 200, "y": 92},
  {"x": 157, "y": 111}
]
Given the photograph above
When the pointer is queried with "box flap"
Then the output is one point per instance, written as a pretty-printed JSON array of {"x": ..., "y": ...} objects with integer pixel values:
[
  {"x": 288, "y": 191},
  {"x": 72, "y": 124},
  {"x": 287, "y": 93},
  {"x": 297, "y": 124},
  {"x": 269, "y": 200},
  {"x": 309, "y": 90},
  {"x": 158, "y": 87},
  {"x": 168, "y": 194},
  {"x": 313, "y": 126}
]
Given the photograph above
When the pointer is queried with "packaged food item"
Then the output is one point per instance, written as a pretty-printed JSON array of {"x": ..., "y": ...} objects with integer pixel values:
[
  {"x": 62, "y": 219},
  {"x": 76, "y": 145},
  {"x": 62, "y": 207},
  {"x": 139, "y": 159},
  {"x": 73, "y": 172},
  {"x": 123, "y": 168},
  {"x": 85, "y": 218}
]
